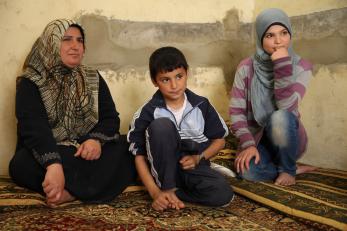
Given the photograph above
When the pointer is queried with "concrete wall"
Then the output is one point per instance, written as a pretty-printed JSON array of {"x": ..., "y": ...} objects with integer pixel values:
[{"x": 214, "y": 34}]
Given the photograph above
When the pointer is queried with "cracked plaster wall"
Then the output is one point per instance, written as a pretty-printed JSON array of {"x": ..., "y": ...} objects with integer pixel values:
[
  {"x": 213, "y": 51},
  {"x": 214, "y": 34}
]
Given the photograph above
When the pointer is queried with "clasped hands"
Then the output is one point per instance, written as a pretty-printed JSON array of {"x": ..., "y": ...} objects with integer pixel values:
[{"x": 54, "y": 182}]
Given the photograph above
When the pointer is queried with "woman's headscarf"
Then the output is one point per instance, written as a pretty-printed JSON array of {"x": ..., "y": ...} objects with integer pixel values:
[
  {"x": 70, "y": 95},
  {"x": 262, "y": 86}
]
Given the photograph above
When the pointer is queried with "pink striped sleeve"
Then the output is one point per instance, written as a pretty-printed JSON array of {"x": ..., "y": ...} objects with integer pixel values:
[
  {"x": 239, "y": 104},
  {"x": 289, "y": 89}
]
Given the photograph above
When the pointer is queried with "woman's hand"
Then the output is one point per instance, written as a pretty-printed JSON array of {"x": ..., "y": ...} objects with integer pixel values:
[
  {"x": 89, "y": 150},
  {"x": 189, "y": 161},
  {"x": 280, "y": 52},
  {"x": 244, "y": 157},
  {"x": 54, "y": 183}
]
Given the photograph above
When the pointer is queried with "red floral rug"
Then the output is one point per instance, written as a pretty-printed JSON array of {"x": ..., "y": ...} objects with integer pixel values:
[{"x": 21, "y": 209}]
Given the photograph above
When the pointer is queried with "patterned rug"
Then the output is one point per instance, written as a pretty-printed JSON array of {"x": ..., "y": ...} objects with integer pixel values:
[
  {"x": 319, "y": 196},
  {"x": 317, "y": 202},
  {"x": 21, "y": 209}
]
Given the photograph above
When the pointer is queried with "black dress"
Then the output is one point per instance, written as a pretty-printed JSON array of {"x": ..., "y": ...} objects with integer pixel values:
[{"x": 90, "y": 181}]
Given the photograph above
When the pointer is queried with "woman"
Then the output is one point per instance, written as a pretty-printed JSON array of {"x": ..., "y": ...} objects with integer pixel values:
[
  {"x": 264, "y": 104},
  {"x": 68, "y": 128}
]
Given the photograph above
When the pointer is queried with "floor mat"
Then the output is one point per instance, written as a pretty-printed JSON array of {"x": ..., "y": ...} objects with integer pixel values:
[
  {"x": 319, "y": 196},
  {"x": 21, "y": 209}
]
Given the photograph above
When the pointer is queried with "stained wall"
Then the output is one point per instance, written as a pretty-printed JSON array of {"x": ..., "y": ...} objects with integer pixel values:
[{"x": 214, "y": 34}]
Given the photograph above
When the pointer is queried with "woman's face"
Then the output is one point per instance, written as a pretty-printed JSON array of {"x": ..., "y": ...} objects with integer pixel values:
[
  {"x": 72, "y": 47},
  {"x": 276, "y": 37}
]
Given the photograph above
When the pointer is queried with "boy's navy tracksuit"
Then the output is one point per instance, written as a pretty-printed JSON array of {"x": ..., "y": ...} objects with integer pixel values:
[{"x": 154, "y": 132}]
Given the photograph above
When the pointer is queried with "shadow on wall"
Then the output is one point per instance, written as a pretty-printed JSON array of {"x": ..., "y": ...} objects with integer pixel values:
[{"x": 114, "y": 44}]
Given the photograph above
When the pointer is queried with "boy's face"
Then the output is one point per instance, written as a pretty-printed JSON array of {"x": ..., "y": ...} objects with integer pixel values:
[{"x": 172, "y": 85}]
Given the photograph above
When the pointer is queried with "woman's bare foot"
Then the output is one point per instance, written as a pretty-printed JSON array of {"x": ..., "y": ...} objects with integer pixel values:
[
  {"x": 285, "y": 179},
  {"x": 64, "y": 198},
  {"x": 304, "y": 169}
]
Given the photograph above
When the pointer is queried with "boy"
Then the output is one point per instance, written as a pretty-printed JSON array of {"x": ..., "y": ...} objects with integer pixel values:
[{"x": 177, "y": 132}]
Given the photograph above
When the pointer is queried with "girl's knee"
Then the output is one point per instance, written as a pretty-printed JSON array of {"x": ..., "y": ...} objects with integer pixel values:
[
  {"x": 279, "y": 119},
  {"x": 259, "y": 172},
  {"x": 279, "y": 127},
  {"x": 249, "y": 175}
]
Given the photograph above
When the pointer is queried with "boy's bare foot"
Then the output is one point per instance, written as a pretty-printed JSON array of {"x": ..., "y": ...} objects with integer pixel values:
[
  {"x": 304, "y": 169},
  {"x": 163, "y": 200},
  {"x": 175, "y": 203},
  {"x": 65, "y": 197},
  {"x": 285, "y": 179}
]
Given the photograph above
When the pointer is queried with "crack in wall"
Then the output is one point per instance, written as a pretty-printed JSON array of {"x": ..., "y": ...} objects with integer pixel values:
[{"x": 113, "y": 44}]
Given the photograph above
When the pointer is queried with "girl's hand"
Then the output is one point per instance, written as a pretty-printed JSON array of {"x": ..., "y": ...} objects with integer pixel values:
[
  {"x": 279, "y": 52},
  {"x": 243, "y": 158}
]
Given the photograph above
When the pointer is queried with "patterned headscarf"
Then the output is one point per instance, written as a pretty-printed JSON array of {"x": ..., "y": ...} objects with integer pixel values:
[
  {"x": 70, "y": 95},
  {"x": 262, "y": 86}
]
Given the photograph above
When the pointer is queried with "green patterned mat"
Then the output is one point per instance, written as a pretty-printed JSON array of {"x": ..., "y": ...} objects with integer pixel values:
[{"x": 319, "y": 196}]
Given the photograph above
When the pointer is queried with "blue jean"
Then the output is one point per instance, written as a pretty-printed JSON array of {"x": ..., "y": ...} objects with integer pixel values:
[{"x": 278, "y": 148}]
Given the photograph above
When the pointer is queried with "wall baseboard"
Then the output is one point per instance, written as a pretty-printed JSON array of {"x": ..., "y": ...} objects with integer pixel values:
[{"x": 3, "y": 171}]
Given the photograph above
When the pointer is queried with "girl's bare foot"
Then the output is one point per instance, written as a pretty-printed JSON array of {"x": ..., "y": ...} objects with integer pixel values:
[
  {"x": 285, "y": 179},
  {"x": 64, "y": 198},
  {"x": 304, "y": 169}
]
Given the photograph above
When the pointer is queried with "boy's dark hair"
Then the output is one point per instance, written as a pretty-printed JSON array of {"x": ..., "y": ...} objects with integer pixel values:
[{"x": 166, "y": 59}]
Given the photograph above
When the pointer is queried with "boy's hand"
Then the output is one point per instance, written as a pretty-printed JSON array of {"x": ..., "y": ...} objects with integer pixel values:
[
  {"x": 166, "y": 199},
  {"x": 244, "y": 157},
  {"x": 279, "y": 52},
  {"x": 189, "y": 162},
  {"x": 89, "y": 150}
]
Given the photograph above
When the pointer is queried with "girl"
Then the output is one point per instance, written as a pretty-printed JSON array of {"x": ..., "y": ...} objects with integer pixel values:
[{"x": 264, "y": 104}]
